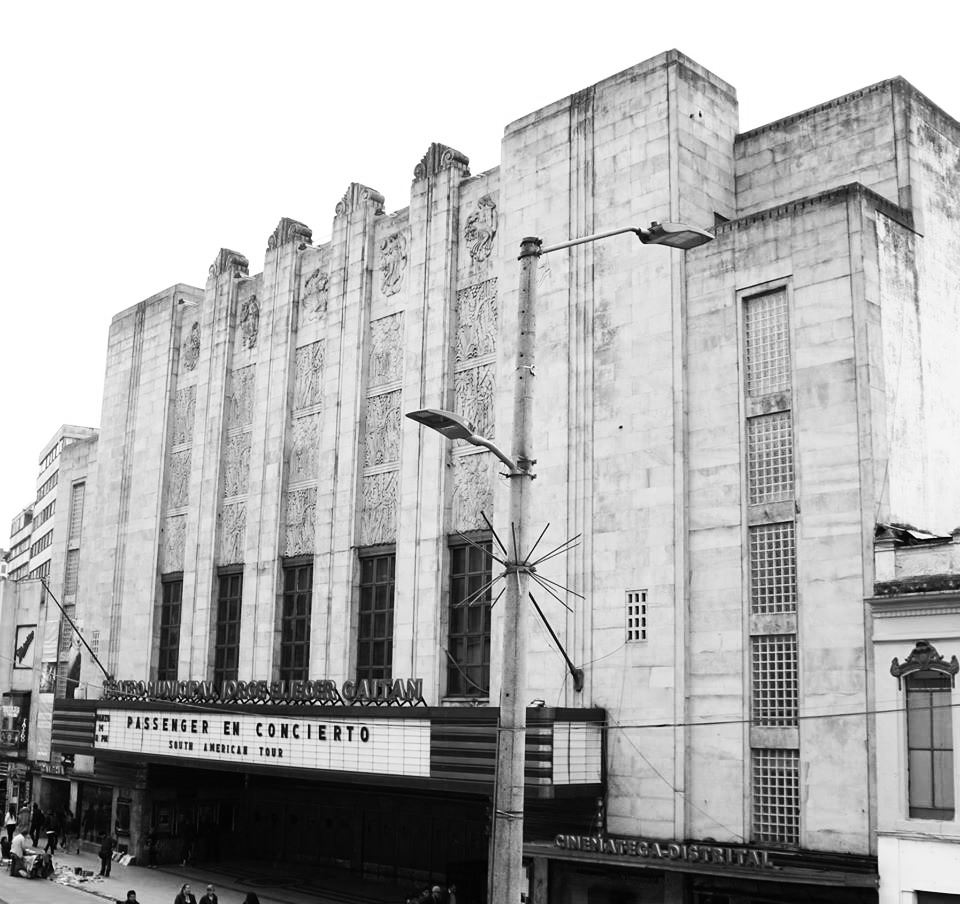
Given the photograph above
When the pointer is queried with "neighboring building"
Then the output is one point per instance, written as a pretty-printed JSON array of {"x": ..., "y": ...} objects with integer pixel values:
[
  {"x": 18, "y": 556},
  {"x": 722, "y": 428},
  {"x": 915, "y": 613}
]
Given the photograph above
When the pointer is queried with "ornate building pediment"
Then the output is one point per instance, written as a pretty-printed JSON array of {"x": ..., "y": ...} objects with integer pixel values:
[{"x": 924, "y": 658}]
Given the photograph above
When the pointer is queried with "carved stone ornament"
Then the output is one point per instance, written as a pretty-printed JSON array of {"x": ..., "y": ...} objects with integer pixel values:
[
  {"x": 472, "y": 491},
  {"x": 440, "y": 157},
  {"x": 183, "y": 415},
  {"x": 382, "y": 433},
  {"x": 474, "y": 393},
  {"x": 314, "y": 296},
  {"x": 228, "y": 261},
  {"x": 477, "y": 320},
  {"x": 481, "y": 229},
  {"x": 236, "y": 466},
  {"x": 191, "y": 346},
  {"x": 386, "y": 350},
  {"x": 378, "y": 508},
  {"x": 356, "y": 196},
  {"x": 233, "y": 529},
  {"x": 289, "y": 231},
  {"x": 174, "y": 543},
  {"x": 924, "y": 658},
  {"x": 393, "y": 262},
  {"x": 308, "y": 380},
  {"x": 305, "y": 451},
  {"x": 239, "y": 402},
  {"x": 249, "y": 318},
  {"x": 301, "y": 514},
  {"x": 178, "y": 486}
]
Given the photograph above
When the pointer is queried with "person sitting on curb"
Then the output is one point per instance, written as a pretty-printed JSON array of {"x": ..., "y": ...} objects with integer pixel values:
[{"x": 18, "y": 850}]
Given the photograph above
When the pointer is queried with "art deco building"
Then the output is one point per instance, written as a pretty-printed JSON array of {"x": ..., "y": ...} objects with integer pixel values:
[{"x": 272, "y": 549}]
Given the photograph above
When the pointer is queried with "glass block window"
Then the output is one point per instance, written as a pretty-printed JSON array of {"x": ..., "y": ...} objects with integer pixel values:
[
  {"x": 773, "y": 569},
  {"x": 295, "y": 622},
  {"x": 775, "y": 680},
  {"x": 636, "y": 615},
  {"x": 468, "y": 636},
  {"x": 776, "y": 796},
  {"x": 930, "y": 746},
  {"x": 71, "y": 569},
  {"x": 375, "y": 616},
  {"x": 77, "y": 493},
  {"x": 168, "y": 646},
  {"x": 226, "y": 640},
  {"x": 770, "y": 458},
  {"x": 766, "y": 343}
]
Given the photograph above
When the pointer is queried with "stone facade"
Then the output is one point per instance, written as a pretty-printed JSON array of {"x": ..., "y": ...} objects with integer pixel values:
[{"x": 274, "y": 429}]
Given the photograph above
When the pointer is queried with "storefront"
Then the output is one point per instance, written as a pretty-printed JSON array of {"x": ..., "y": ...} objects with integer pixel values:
[{"x": 396, "y": 791}]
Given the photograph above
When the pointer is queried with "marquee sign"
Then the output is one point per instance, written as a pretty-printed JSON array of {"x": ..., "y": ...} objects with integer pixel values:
[
  {"x": 367, "y": 692},
  {"x": 638, "y": 848},
  {"x": 389, "y": 746}
]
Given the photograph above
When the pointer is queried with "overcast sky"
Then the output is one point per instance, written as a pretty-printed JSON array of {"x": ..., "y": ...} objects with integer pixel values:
[{"x": 140, "y": 139}]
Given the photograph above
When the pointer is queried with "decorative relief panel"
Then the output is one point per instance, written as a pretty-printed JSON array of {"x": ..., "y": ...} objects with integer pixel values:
[
  {"x": 249, "y": 322},
  {"x": 382, "y": 439},
  {"x": 178, "y": 486},
  {"x": 183, "y": 415},
  {"x": 174, "y": 543},
  {"x": 314, "y": 296},
  {"x": 473, "y": 392},
  {"x": 305, "y": 454},
  {"x": 240, "y": 400},
  {"x": 472, "y": 491},
  {"x": 481, "y": 229},
  {"x": 309, "y": 375},
  {"x": 393, "y": 262},
  {"x": 301, "y": 514},
  {"x": 236, "y": 465},
  {"x": 477, "y": 320},
  {"x": 386, "y": 350},
  {"x": 233, "y": 530},
  {"x": 378, "y": 508},
  {"x": 190, "y": 351}
]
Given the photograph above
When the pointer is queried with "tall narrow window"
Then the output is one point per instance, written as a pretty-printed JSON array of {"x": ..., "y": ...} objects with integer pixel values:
[
  {"x": 295, "y": 622},
  {"x": 226, "y": 641},
  {"x": 767, "y": 343},
  {"x": 71, "y": 569},
  {"x": 930, "y": 745},
  {"x": 375, "y": 616},
  {"x": 776, "y": 796},
  {"x": 168, "y": 646},
  {"x": 77, "y": 493},
  {"x": 468, "y": 643}
]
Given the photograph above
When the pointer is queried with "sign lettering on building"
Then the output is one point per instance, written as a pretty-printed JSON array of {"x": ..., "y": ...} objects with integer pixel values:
[
  {"x": 713, "y": 854},
  {"x": 381, "y": 746}
]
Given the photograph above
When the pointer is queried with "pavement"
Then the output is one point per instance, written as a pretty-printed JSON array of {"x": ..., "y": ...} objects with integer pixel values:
[{"x": 279, "y": 884}]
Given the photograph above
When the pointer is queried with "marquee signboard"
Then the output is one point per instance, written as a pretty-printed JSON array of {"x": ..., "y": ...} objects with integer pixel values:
[{"x": 388, "y": 746}]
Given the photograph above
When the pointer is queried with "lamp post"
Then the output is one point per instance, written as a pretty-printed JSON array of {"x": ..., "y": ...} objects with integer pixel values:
[{"x": 506, "y": 843}]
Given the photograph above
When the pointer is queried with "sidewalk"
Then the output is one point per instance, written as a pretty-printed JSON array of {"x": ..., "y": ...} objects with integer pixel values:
[{"x": 231, "y": 880}]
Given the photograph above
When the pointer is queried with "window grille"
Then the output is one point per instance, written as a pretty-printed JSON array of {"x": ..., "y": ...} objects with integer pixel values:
[
  {"x": 71, "y": 570},
  {"x": 468, "y": 637},
  {"x": 776, "y": 796},
  {"x": 77, "y": 494},
  {"x": 226, "y": 642},
  {"x": 767, "y": 344},
  {"x": 636, "y": 615},
  {"x": 775, "y": 684},
  {"x": 375, "y": 617},
  {"x": 770, "y": 458},
  {"x": 95, "y": 642},
  {"x": 930, "y": 745},
  {"x": 168, "y": 648},
  {"x": 773, "y": 569},
  {"x": 295, "y": 622}
]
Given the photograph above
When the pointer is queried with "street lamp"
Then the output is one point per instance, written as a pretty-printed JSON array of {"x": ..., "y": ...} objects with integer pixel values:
[{"x": 506, "y": 843}]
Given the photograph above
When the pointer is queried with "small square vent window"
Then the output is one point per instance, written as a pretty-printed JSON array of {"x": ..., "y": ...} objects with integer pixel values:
[{"x": 636, "y": 615}]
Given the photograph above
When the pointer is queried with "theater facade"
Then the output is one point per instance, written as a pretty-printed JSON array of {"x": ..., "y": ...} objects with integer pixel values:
[{"x": 297, "y": 591}]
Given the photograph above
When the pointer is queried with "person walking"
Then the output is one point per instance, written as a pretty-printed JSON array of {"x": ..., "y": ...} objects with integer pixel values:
[
  {"x": 152, "y": 843},
  {"x": 185, "y": 895},
  {"x": 10, "y": 821},
  {"x": 36, "y": 823},
  {"x": 210, "y": 897},
  {"x": 52, "y": 831},
  {"x": 106, "y": 854}
]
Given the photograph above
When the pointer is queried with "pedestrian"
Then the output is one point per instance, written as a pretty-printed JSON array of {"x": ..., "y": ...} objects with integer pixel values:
[
  {"x": 36, "y": 823},
  {"x": 152, "y": 842},
  {"x": 18, "y": 849},
  {"x": 185, "y": 896},
  {"x": 439, "y": 895},
  {"x": 131, "y": 898},
  {"x": 251, "y": 898},
  {"x": 210, "y": 897},
  {"x": 10, "y": 821},
  {"x": 66, "y": 827},
  {"x": 52, "y": 831},
  {"x": 89, "y": 822},
  {"x": 106, "y": 854}
]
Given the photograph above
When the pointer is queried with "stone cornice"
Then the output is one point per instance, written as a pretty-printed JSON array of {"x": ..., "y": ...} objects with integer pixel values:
[
  {"x": 228, "y": 260},
  {"x": 356, "y": 196},
  {"x": 289, "y": 231},
  {"x": 440, "y": 157}
]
